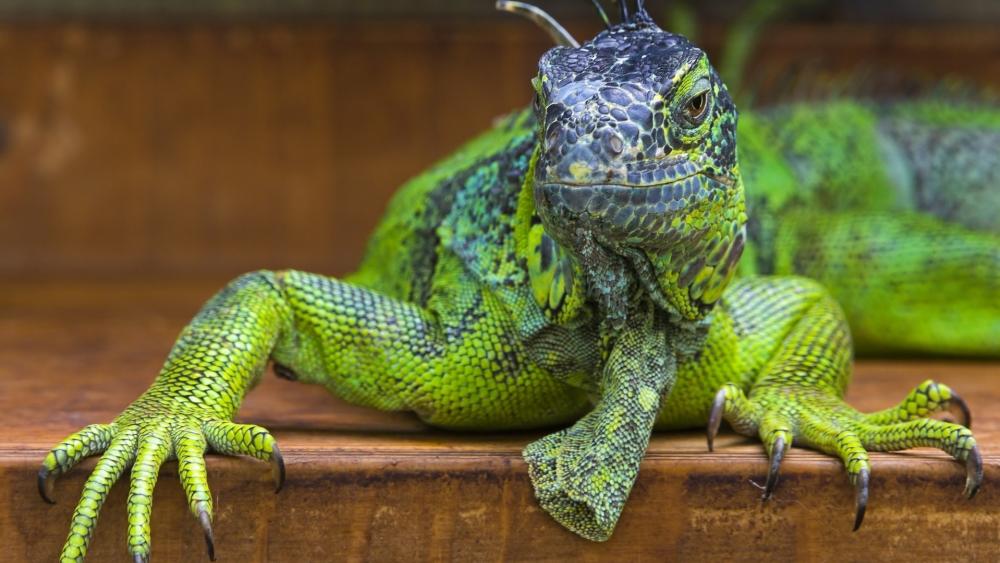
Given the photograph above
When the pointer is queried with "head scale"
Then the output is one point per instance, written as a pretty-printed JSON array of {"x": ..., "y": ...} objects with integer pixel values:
[{"x": 637, "y": 157}]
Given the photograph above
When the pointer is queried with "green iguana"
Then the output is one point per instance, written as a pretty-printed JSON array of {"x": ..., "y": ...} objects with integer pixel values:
[{"x": 571, "y": 267}]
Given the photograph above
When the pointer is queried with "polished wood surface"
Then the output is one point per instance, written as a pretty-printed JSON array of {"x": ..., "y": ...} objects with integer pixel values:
[{"x": 365, "y": 485}]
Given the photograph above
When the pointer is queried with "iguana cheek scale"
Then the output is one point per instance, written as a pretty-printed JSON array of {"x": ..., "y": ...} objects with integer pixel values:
[{"x": 512, "y": 287}]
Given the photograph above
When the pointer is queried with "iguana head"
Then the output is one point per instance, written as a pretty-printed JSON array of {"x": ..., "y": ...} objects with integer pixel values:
[{"x": 637, "y": 155}]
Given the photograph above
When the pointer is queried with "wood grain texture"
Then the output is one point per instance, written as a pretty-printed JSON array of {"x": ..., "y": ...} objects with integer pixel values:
[
  {"x": 365, "y": 485},
  {"x": 191, "y": 149}
]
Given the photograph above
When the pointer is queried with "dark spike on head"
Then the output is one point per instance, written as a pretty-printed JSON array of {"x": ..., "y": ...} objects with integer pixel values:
[
  {"x": 623, "y": 8},
  {"x": 600, "y": 12}
]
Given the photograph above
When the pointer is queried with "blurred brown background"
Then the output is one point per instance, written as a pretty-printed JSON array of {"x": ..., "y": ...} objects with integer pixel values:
[{"x": 183, "y": 140}]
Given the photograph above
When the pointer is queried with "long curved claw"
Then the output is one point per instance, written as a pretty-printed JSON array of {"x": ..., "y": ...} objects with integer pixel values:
[
  {"x": 777, "y": 454},
  {"x": 46, "y": 484},
  {"x": 974, "y": 472},
  {"x": 958, "y": 408},
  {"x": 206, "y": 525},
  {"x": 861, "y": 498},
  {"x": 277, "y": 468},
  {"x": 715, "y": 418}
]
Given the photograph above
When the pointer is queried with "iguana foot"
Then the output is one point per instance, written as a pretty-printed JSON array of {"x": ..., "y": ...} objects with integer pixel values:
[
  {"x": 145, "y": 441},
  {"x": 813, "y": 418}
]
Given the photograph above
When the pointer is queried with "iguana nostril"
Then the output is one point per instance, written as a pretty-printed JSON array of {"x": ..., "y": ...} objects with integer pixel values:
[{"x": 615, "y": 144}]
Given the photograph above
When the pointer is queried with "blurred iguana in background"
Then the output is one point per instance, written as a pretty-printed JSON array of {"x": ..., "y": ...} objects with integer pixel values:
[{"x": 890, "y": 198}]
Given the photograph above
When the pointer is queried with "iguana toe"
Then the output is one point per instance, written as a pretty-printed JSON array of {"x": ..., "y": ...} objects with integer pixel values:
[{"x": 91, "y": 440}]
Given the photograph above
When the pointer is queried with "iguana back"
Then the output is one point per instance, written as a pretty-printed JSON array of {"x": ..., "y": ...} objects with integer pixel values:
[{"x": 403, "y": 251}]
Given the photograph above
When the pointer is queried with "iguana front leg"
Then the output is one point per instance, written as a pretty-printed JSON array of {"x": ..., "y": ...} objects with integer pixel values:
[
  {"x": 187, "y": 410},
  {"x": 583, "y": 475},
  {"x": 457, "y": 363},
  {"x": 797, "y": 397}
]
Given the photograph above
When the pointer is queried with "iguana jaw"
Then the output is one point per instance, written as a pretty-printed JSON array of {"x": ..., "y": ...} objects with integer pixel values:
[{"x": 680, "y": 240}]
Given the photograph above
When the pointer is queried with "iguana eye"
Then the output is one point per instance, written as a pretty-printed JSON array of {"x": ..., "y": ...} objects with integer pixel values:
[{"x": 695, "y": 107}]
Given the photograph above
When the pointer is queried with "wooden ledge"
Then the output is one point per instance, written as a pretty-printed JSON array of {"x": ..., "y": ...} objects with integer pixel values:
[{"x": 364, "y": 485}]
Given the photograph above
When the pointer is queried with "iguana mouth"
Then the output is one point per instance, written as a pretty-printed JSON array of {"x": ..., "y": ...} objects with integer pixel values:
[
  {"x": 632, "y": 206},
  {"x": 654, "y": 172},
  {"x": 724, "y": 180}
]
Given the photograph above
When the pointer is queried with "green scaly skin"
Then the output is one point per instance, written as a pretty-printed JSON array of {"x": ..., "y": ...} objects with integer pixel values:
[
  {"x": 885, "y": 204},
  {"x": 571, "y": 267}
]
